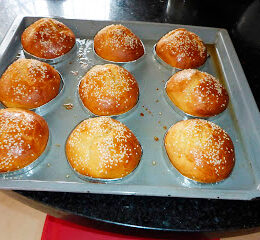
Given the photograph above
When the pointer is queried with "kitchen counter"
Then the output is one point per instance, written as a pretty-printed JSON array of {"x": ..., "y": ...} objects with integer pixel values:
[{"x": 241, "y": 19}]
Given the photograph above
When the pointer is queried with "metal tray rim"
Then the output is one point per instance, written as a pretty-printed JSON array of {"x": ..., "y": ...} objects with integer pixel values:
[
  {"x": 22, "y": 16},
  {"x": 131, "y": 190}
]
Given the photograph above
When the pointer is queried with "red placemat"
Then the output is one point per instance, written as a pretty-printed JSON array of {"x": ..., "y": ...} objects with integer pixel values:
[{"x": 57, "y": 229}]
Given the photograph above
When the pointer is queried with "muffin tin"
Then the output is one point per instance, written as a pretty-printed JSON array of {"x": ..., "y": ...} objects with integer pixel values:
[{"x": 149, "y": 121}]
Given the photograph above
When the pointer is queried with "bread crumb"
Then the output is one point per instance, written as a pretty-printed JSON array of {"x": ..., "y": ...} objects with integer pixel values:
[
  {"x": 75, "y": 73},
  {"x": 68, "y": 106},
  {"x": 156, "y": 139}
]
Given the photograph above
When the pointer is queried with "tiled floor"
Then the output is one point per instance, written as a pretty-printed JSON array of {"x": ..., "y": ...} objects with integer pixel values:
[{"x": 21, "y": 222}]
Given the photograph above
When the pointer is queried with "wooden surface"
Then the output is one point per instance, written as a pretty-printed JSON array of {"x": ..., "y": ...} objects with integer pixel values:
[{"x": 21, "y": 222}]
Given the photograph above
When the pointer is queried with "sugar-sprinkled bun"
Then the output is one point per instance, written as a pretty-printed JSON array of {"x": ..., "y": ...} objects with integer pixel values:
[
  {"x": 200, "y": 150},
  {"x": 197, "y": 93},
  {"x": 103, "y": 148},
  {"x": 48, "y": 38},
  {"x": 24, "y": 137},
  {"x": 182, "y": 49},
  {"x": 108, "y": 90},
  {"x": 28, "y": 84},
  {"x": 117, "y": 43}
]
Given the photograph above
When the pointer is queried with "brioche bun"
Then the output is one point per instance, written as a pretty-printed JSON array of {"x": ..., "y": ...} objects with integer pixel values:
[
  {"x": 200, "y": 150},
  {"x": 28, "y": 84},
  {"x": 24, "y": 137},
  {"x": 182, "y": 49},
  {"x": 197, "y": 93},
  {"x": 103, "y": 148},
  {"x": 47, "y": 38},
  {"x": 108, "y": 90},
  {"x": 118, "y": 44}
]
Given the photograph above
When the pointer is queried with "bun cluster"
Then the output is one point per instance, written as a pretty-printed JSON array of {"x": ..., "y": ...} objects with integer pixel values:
[{"x": 102, "y": 147}]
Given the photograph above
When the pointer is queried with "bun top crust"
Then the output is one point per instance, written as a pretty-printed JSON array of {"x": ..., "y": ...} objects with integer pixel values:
[
  {"x": 108, "y": 90},
  {"x": 200, "y": 150},
  {"x": 103, "y": 148},
  {"x": 197, "y": 93},
  {"x": 182, "y": 49},
  {"x": 24, "y": 137},
  {"x": 48, "y": 38},
  {"x": 28, "y": 84},
  {"x": 117, "y": 43}
]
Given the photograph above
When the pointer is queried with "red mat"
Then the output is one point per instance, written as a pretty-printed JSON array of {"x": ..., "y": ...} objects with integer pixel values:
[{"x": 57, "y": 229}]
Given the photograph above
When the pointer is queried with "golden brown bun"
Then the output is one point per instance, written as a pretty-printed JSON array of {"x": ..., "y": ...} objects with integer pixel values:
[
  {"x": 28, "y": 84},
  {"x": 24, "y": 137},
  {"x": 197, "y": 93},
  {"x": 117, "y": 43},
  {"x": 200, "y": 150},
  {"x": 48, "y": 38},
  {"x": 103, "y": 148},
  {"x": 108, "y": 90},
  {"x": 182, "y": 49}
]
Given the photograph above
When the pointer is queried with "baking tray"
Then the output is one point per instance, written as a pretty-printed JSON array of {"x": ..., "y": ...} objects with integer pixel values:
[{"x": 151, "y": 119}]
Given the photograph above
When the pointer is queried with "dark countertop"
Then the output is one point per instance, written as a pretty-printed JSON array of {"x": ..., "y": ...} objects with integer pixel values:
[{"x": 241, "y": 19}]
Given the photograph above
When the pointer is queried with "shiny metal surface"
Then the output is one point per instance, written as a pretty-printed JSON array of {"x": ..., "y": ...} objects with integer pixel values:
[{"x": 9, "y": 9}]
